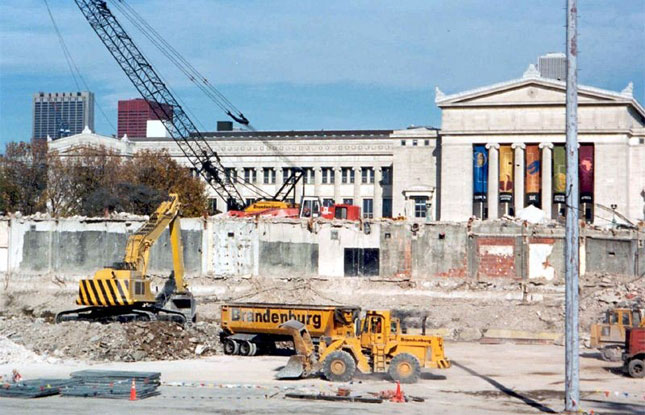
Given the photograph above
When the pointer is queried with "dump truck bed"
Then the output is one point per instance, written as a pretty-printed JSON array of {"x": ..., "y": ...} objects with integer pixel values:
[{"x": 265, "y": 318}]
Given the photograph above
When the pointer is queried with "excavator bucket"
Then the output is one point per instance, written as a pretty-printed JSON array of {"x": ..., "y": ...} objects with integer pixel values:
[
  {"x": 294, "y": 368},
  {"x": 303, "y": 363}
]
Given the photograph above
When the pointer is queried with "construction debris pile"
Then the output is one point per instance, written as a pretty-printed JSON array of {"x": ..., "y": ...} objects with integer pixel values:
[{"x": 35, "y": 339}]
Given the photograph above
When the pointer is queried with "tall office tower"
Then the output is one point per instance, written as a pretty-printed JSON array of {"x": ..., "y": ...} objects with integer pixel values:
[
  {"x": 134, "y": 115},
  {"x": 553, "y": 65},
  {"x": 60, "y": 114}
]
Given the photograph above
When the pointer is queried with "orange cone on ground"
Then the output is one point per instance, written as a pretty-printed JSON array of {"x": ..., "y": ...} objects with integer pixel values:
[
  {"x": 133, "y": 391},
  {"x": 398, "y": 395}
]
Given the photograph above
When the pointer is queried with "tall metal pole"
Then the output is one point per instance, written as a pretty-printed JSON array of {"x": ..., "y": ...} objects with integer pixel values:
[{"x": 571, "y": 251}]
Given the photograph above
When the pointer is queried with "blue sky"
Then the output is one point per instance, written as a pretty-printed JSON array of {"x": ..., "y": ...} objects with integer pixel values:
[{"x": 333, "y": 64}]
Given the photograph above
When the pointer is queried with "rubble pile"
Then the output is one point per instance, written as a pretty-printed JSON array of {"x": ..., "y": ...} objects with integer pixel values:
[{"x": 105, "y": 342}]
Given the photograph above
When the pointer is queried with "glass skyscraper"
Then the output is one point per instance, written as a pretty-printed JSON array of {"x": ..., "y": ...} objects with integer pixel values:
[{"x": 60, "y": 114}]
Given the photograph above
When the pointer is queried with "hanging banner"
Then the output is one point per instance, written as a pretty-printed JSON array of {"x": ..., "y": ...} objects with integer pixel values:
[
  {"x": 532, "y": 180},
  {"x": 586, "y": 173},
  {"x": 559, "y": 174},
  {"x": 505, "y": 174},
  {"x": 480, "y": 173}
]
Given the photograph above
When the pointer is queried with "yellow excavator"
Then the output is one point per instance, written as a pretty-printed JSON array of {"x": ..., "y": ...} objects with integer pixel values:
[
  {"x": 123, "y": 292},
  {"x": 376, "y": 345}
]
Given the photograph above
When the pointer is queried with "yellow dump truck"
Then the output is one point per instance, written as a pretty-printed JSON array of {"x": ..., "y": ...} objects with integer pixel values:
[{"x": 251, "y": 328}]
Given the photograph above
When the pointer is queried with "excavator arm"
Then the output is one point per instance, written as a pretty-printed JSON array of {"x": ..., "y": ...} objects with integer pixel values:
[{"x": 137, "y": 251}]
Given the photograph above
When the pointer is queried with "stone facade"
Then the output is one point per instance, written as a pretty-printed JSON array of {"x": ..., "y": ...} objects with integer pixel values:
[
  {"x": 531, "y": 111},
  {"x": 427, "y": 174}
]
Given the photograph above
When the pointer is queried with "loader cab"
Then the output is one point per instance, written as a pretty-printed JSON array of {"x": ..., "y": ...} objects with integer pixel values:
[{"x": 378, "y": 328}]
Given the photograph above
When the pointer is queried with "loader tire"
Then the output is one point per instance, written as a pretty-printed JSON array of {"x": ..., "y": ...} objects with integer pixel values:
[
  {"x": 611, "y": 353},
  {"x": 636, "y": 368},
  {"x": 339, "y": 366},
  {"x": 231, "y": 347},
  {"x": 405, "y": 368}
]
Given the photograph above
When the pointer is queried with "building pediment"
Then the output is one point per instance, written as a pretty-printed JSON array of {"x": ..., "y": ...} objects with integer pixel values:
[{"x": 534, "y": 90}]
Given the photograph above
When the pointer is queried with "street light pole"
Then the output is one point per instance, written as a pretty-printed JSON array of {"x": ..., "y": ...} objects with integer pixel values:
[{"x": 571, "y": 251}]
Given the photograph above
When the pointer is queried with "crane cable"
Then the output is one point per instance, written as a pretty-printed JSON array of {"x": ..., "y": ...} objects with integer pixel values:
[
  {"x": 197, "y": 78},
  {"x": 180, "y": 62},
  {"x": 73, "y": 68}
]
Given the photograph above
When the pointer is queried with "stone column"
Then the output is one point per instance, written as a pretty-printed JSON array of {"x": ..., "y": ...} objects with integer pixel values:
[
  {"x": 518, "y": 190},
  {"x": 378, "y": 192},
  {"x": 337, "y": 179},
  {"x": 493, "y": 180},
  {"x": 357, "y": 187},
  {"x": 547, "y": 174}
]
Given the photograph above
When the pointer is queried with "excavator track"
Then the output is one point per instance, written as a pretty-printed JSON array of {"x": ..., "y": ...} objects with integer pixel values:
[{"x": 124, "y": 314}]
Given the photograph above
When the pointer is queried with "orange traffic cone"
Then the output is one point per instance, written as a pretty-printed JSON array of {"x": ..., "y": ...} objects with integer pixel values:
[
  {"x": 133, "y": 391},
  {"x": 398, "y": 395}
]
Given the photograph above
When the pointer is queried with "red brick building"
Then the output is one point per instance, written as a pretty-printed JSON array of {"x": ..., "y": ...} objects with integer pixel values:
[{"x": 133, "y": 115}]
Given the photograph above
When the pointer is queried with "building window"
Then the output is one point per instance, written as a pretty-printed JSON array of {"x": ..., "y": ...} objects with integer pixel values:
[
  {"x": 269, "y": 175},
  {"x": 414, "y": 143},
  {"x": 328, "y": 174},
  {"x": 387, "y": 175},
  {"x": 420, "y": 206},
  {"x": 387, "y": 207},
  {"x": 368, "y": 208},
  {"x": 212, "y": 206},
  {"x": 308, "y": 175},
  {"x": 347, "y": 175},
  {"x": 231, "y": 175},
  {"x": 328, "y": 202},
  {"x": 250, "y": 175},
  {"x": 367, "y": 175},
  {"x": 348, "y": 201},
  {"x": 287, "y": 173},
  {"x": 402, "y": 142},
  {"x": 426, "y": 142}
]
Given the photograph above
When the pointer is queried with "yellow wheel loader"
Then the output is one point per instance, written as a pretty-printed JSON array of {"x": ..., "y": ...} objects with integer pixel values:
[
  {"x": 377, "y": 346},
  {"x": 122, "y": 292},
  {"x": 609, "y": 336}
]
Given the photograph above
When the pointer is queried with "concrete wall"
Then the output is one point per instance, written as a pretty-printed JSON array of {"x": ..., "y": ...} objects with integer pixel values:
[{"x": 281, "y": 247}]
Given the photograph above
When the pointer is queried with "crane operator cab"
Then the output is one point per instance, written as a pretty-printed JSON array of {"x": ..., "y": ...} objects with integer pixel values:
[{"x": 310, "y": 207}]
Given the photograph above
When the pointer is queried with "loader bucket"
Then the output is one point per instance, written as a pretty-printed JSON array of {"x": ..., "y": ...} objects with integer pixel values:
[{"x": 294, "y": 368}]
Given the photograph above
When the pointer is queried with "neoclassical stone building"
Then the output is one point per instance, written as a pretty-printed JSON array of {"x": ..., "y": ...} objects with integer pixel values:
[
  {"x": 502, "y": 148},
  {"x": 499, "y": 149}
]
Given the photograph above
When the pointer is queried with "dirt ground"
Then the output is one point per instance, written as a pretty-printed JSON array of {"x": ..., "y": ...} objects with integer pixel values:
[{"x": 484, "y": 379}]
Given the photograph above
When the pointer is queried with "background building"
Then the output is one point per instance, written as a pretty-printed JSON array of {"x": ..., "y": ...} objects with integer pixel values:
[
  {"x": 60, "y": 114},
  {"x": 553, "y": 65},
  {"x": 133, "y": 115},
  {"x": 502, "y": 149}
]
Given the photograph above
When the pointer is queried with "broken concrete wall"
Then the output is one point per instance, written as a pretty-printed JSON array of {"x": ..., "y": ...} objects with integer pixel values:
[
  {"x": 79, "y": 247},
  {"x": 278, "y": 247}
]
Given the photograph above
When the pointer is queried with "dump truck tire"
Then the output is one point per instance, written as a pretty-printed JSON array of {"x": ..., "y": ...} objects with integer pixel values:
[
  {"x": 231, "y": 347},
  {"x": 405, "y": 368},
  {"x": 636, "y": 368},
  {"x": 339, "y": 366},
  {"x": 246, "y": 348}
]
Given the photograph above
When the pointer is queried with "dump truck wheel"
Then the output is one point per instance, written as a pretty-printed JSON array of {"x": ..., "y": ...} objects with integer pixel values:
[
  {"x": 246, "y": 348},
  {"x": 339, "y": 366},
  {"x": 405, "y": 368},
  {"x": 231, "y": 347},
  {"x": 636, "y": 368}
]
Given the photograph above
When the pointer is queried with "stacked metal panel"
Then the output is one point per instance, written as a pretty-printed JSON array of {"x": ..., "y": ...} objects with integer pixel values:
[
  {"x": 35, "y": 388},
  {"x": 113, "y": 384}
]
